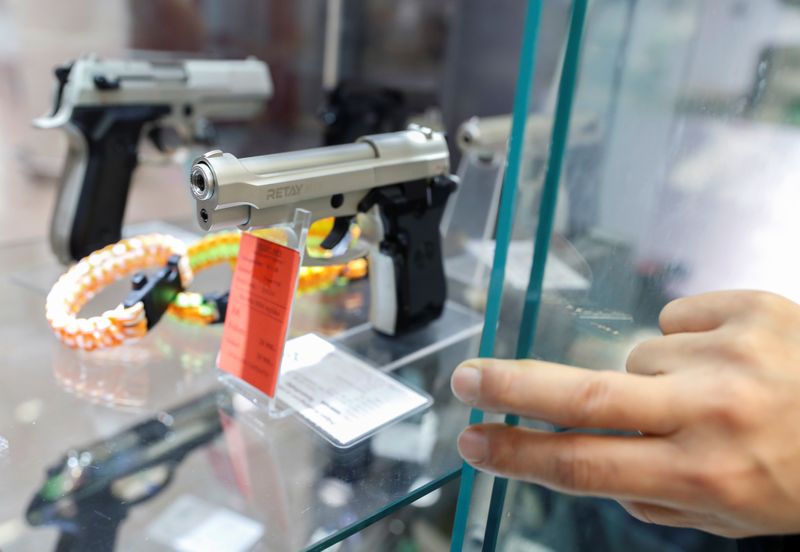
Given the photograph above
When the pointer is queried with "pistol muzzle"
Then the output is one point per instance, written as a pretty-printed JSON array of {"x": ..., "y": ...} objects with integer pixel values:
[{"x": 202, "y": 181}]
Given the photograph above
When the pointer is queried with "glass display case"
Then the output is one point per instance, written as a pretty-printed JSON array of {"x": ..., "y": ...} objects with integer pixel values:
[{"x": 692, "y": 189}]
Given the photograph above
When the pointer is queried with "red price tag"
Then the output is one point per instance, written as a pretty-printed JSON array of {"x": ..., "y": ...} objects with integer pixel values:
[{"x": 258, "y": 312}]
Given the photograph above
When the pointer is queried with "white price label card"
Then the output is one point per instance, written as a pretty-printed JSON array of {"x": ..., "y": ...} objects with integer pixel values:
[{"x": 339, "y": 395}]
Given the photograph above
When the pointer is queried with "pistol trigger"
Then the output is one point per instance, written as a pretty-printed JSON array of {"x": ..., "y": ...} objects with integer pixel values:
[{"x": 341, "y": 226}]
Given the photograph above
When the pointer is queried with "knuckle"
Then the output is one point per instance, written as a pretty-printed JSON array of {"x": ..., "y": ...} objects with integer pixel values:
[
  {"x": 589, "y": 399},
  {"x": 720, "y": 483},
  {"x": 705, "y": 481},
  {"x": 573, "y": 471},
  {"x": 720, "y": 480},
  {"x": 735, "y": 402},
  {"x": 733, "y": 498},
  {"x": 744, "y": 346}
]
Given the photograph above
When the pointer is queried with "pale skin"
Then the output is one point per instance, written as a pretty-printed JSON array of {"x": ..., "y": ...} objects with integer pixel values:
[{"x": 716, "y": 402}]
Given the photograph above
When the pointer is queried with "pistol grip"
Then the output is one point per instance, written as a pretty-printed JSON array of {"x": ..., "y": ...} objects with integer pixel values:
[
  {"x": 94, "y": 185},
  {"x": 407, "y": 281},
  {"x": 406, "y": 269}
]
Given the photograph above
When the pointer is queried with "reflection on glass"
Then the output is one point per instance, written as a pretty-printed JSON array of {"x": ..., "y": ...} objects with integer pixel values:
[
  {"x": 116, "y": 474},
  {"x": 133, "y": 377}
]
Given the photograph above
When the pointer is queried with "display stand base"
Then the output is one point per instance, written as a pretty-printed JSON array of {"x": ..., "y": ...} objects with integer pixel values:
[{"x": 384, "y": 353}]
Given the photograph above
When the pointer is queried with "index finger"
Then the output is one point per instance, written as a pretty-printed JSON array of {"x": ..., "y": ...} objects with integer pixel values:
[{"x": 569, "y": 396}]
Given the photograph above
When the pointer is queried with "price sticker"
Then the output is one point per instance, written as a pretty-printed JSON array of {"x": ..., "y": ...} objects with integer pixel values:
[{"x": 259, "y": 308}]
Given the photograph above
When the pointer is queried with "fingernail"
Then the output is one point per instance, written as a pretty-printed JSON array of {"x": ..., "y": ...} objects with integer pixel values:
[
  {"x": 466, "y": 383},
  {"x": 473, "y": 446}
]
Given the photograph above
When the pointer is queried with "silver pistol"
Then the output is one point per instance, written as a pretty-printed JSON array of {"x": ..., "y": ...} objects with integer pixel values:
[
  {"x": 105, "y": 106},
  {"x": 396, "y": 185}
]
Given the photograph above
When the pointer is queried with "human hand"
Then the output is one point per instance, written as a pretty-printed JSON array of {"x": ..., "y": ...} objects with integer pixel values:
[{"x": 717, "y": 402}]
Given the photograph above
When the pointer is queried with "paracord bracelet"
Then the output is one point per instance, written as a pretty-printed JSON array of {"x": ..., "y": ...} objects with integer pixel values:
[
  {"x": 151, "y": 297},
  {"x": 128, "y": 321}
]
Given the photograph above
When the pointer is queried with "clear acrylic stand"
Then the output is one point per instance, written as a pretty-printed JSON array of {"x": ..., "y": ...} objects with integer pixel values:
[{"x": 294, "y": 236}]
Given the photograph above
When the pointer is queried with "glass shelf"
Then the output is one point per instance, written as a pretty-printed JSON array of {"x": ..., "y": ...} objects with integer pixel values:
[{"x": 269, "y": 479}]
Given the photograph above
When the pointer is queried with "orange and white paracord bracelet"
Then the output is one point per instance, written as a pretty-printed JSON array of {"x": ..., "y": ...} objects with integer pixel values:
[
  {"x": 85, "y": 279},
  {"x": 161, "y": 293}
]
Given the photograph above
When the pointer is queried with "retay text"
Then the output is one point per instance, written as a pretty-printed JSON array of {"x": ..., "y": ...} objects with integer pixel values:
[{"x": 285, "y": 191}]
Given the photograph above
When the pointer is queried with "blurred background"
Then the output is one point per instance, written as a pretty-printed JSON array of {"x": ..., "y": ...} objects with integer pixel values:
[
  {"x": 682, "y": 175},
  {"x": 443, "y": 63}
]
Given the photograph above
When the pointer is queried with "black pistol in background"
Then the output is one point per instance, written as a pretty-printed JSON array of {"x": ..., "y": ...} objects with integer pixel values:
[
  {"x": 352, "y": 110},
  {"x": 105, "y": 106},
  {"x": 88, "y": 493},
  {"x": 395, "y": 185}
]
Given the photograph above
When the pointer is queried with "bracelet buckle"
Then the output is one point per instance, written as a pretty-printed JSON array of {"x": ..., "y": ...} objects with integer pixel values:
[
  {"x": 156, "y": 293},
  {"x": 220, "y": 302}
]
